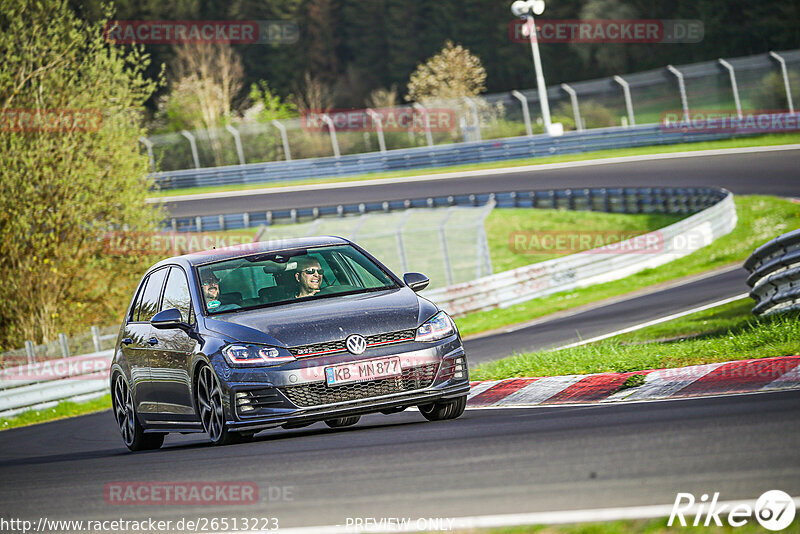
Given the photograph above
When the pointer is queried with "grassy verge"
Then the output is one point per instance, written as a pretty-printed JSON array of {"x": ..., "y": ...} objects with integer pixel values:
[
  {"x": 763, "y": 140},
  {"x": 640, "y": 526},
  {"x": 724, "y": 333},
  {"x": 62, "y": 410},
  {"x": 760, "y": 218}
]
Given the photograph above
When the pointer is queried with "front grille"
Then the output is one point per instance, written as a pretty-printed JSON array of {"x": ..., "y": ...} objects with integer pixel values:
[
  {"x": 320, "y": 393},
  {"x": 339, "y": 346},
  {"x": 253, "y": 401}
]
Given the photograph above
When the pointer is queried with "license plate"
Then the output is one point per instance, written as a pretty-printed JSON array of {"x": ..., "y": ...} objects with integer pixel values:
[{"x": 362, "y": 371}]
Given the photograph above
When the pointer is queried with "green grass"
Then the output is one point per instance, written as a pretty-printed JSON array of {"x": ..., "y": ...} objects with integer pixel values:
[
  {"x": 504, "y": 226},
  {"x": 760, "y": 218},
  {"x": 724, "y": 333},
  {"x": 640, "y": 526},
  {"x": 60, "y": 411},
  {"x": 763, "y": 140}
]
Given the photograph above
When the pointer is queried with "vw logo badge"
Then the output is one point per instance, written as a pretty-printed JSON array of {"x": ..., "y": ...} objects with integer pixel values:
[{"x": 356, "y": 344}]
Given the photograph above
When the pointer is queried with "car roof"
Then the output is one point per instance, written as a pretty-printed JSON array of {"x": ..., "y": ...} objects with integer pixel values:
[{"x": 246, "y": 249}]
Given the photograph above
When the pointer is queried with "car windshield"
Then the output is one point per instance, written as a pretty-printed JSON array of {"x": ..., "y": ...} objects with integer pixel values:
[{"x": 268, "y": 279}]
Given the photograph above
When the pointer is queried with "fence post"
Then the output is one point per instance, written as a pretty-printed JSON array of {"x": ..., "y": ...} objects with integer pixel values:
[
  {"x": 682, "y": 88},
  {"x": 376, "y": 118},
  {"x": 96, "y": 338},
  {"x": 149, "y": 146},
  {"x": 626, "y": 90},
  {"x": 193, "y": 144},
  {"x": 734, "y": 87},
  {"x": 448, "y": 268},
  {"x": 526, "y": 114},
  {"x": 284, "y": 139},
  {"x": 238, "y": 140},
  {"x": 398, "y": 232},
  {"x": 475, "y": 116},
  {"x": 785, "y": 80},
  {"x": 62, "y": 340},
  {"x": 424, "y": 110},
  {"x": 332, "y": 130},
  {"x": 576, "y": 110},
  {"x": 30, "y": 352}
]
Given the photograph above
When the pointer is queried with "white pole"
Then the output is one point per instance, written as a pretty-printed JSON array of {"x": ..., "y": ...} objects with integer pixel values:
[
  {"x": 332, "y": 129},
  {"x": 785, "y": 80},
  {"x": 236, "y": 139},
  {"x": 734, "y": 87},
  {"x": 682, "y": 88},
  {"x": 474, "y": 107},
  {"x": 626, "y": 90},
  {"x": 525, "y": 111},
  {"x": 149, "y": 145},
  {"x": 284, "y": 138},
  {"x": 424, "y": 110},
  {"x": 537, "y": 63},
  {"x": 576, "y": 111},
  {"x": 376, "y": 118},
  {"x": 193, "y": 144}
]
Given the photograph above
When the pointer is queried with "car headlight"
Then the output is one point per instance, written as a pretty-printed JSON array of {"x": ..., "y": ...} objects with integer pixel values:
[
  {"x": 240, "y": 354},
  {"x": 437, "y": 327}
]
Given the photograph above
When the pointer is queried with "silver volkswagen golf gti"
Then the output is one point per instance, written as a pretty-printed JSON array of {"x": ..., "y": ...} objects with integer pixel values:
[{"x": 238, "y": 340}]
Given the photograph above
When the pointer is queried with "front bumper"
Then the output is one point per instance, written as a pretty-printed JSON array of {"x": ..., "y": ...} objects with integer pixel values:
[{"x": 297, "y": 393}]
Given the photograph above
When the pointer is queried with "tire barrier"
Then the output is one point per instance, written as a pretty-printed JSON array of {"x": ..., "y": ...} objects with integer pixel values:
[{"x": 775, "y": 274}]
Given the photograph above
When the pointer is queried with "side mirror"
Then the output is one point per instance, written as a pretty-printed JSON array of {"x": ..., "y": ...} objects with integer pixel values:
[
  {"x": 170, "y": 318},
  {"x": 416, "y": 281}
]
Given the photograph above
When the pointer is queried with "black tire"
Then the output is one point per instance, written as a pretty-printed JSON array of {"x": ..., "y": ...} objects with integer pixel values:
[
  {"x": 133, "y": 434},
  {"x": 208, "y": 396},
  {"x": 340, "y": 422},
  {"x": 444, "y": 410}
]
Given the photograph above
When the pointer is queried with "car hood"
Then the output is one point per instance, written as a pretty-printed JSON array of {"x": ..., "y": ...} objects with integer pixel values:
[{"x": 326, "y": 319}]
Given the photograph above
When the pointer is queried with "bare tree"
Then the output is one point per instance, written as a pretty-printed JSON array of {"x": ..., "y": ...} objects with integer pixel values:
[{"x": 313, "y": 95}]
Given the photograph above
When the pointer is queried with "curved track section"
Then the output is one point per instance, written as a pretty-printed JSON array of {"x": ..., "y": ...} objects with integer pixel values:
[{"x": 776, "y": 171}]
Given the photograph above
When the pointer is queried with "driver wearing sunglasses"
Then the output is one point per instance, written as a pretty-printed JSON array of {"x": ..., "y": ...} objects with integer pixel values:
[{"x": 309, "y": 276}]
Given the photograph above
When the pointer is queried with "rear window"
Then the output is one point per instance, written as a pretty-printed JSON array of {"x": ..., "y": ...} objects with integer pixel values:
[{"x": 277, "y": 278}]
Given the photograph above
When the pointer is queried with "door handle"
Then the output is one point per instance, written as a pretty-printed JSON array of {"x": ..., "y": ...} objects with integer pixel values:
[
  {"x": 152, "y": 341},
  {"x": 126, "y": 341}
]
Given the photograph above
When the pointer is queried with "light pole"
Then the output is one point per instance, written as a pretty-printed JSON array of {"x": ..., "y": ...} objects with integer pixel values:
[{"x": 526, "y": 9}]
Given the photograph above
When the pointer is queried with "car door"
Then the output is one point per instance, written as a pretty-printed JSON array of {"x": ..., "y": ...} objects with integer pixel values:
[
  {"x": 171, "y": 356},
  {"x": 137, "y": 342}
]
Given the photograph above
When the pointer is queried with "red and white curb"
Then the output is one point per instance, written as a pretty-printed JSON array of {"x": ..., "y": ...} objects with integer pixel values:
[{"x": 743, "y": 376}]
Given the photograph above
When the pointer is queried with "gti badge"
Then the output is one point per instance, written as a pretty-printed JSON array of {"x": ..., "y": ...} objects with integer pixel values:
[{"x": 356, "y": 344}]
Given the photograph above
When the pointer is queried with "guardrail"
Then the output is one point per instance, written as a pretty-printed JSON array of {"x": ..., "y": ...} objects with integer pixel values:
[
  {"x": 43, "y": 384},
  {"x": 600, "y": 265},
  {"x": 775, "y": 274},
  {"x": 464, "y": 153}
]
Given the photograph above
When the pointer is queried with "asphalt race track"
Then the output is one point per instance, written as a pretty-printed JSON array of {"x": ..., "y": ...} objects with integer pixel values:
[
  {"x": 491, "y": 461},
  {"x": 487, "y": 462},
  {"x": 767, "y": 173},
  {"x": 601, "y": 320}
]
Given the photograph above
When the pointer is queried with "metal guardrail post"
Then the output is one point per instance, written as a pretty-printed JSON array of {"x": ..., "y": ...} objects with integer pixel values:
[
  {"x": 284, "y": 139},
  {"x": 424, "y": 110},
  {"x": 734, "y": 87},
  {"x": 332, "y": 130},
  {"x": 526, "y": 114},
  {"x": 62, "y": 340},
  {"x": 626, "y": 90},
  {"x": 149, "y": 146},
  {"x": 188, "y": 135},
  {"x": 476, "y": 117},
  {"x": 96, "y": 339},
  {"x": 682, "y": 88},
  {"x": 398, "y": 232},
  {"x": 576, "y": 111},
  {"x": 238, "y": 141},
  {"x": 448, "y": 268},
  {"x": 29, "y": 351},
  {"x": 376, "y": 118},
  {"x": 785, "y": 79}
]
